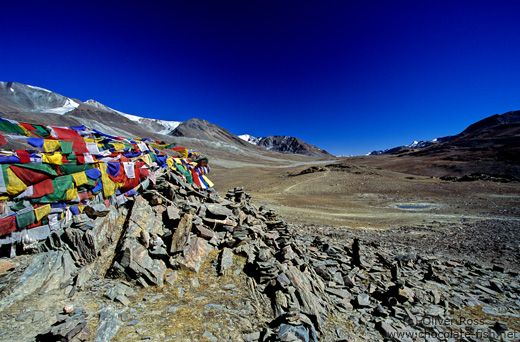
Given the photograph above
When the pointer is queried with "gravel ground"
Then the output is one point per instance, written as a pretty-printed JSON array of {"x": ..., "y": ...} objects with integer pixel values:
[{"x": 493, "y": 242}]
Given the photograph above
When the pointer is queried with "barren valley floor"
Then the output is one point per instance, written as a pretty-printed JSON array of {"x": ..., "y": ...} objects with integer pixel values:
[{"x": 479, "y": 220}]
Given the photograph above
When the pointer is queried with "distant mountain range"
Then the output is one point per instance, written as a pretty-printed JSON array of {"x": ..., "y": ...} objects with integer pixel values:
[
  {"x": 490, "y": 146},
  {"x": 27, "y": 103},
  {"x": 414, "y": 145},
  {"x": 285, "y": 144},
  {"x": 493, "y": 129}
]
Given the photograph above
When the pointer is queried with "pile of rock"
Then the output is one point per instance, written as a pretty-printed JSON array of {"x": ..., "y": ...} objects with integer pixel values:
[{"x": 317, "y": 283}]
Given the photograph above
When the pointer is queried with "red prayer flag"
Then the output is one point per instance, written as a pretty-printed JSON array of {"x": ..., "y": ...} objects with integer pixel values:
[
  {"x": 195, "y": 177},
  {"x": 28, "y": 176},
  {"x": 42, "y": 188},
  {"x": 85, "y": 195},
  {"x": 34, "y": 225},
  {"x": 121, "y": 176},
  {"x": 80, "y": 146},
  {"x": 143, "y": 172},
  {"x": 67, "y": 134},
  {"x": 7, "y": 225},
  {"x": 24, "y": 156},
  {"x": 81, "y": 158}
]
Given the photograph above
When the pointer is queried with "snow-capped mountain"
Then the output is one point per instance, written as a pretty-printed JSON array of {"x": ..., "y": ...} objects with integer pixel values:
[
  {"x": 160, "y": 126},
  {"x": 285, "y": 144},
  {"x": 250, "y": 139},
  {"x": 415, "y": 145},
  {"x": 18, "y": 96},
  {"x": 34, "y": 104}
]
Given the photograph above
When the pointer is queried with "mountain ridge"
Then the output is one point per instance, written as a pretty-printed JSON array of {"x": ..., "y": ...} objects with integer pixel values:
[
  {"x": 489, "y": 128},
  {"x": 286, "y": 144},
  {"x": 20, "y": 102}
]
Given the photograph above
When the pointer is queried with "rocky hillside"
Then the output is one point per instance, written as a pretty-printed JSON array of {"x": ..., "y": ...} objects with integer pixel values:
[
  {"x": 412, "y": 146},
  {"x": 17, "y": 97},
  {"x": 488, "y": 149}
]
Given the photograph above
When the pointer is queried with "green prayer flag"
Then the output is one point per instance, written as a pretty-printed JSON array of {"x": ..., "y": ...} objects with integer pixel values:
[
  {"x": 7, "y": 126},
  {"x": 41, "y": 131},
  {"x": 25, "y": 219},
  {"x": 66, "y": 147},
  {"x": 70, "y": 168}
]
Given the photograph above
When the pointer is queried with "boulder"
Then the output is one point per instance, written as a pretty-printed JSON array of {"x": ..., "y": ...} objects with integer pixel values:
[
  {"x": 67, "y": 327},
  {"x": 136, "y": 261},
  {"x": 143, "y": 217},
  {"x": 217, "y": 211},
  {"x": 226, "y": 260},
  {"x": 46, "y": 272},
  {"x": 204, "y": 232},
  {"x": 173, "y": 213},
  {"x": 195, "y": 255},
  {"x": 182, "y": 234},
  {"x": 96, "y": 210},
  {"x": 109, "y": 324}
]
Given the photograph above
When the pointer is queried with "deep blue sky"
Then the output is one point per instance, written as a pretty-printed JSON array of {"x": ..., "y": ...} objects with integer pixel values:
[{"x": 349, "y": 76}]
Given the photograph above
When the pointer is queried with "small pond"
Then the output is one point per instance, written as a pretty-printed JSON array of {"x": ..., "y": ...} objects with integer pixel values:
[{"x": 413, "y": 206}]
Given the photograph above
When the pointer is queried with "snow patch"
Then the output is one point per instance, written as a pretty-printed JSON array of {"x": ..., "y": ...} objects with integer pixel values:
[
  {"x": 168, "y": 126},
  {"x": 246, "y": 137},
  {"x": 130, "y": 116},
  {"x": 250, "y": 139},
  {"x": 38, "y": 88},
  {"x": 68, "y": 106}
]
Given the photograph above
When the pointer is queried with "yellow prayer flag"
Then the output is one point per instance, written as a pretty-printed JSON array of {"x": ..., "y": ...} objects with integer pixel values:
[
  {"x": 118, "y": 146},
  {"x": 51, "y": 145},
  {"x": 72, "y": 193},
  {"x": 146, "y": 158},
  {"x": 55, "y": 158},
  {"x": 183, "y": 152},
  {"x": 14, "y": 185},
  {"x": 206, "y": 179},
  {"x": 159, "y": 146},
  {"x": 80, "y": 178},
  {"x": 42, "y": 212},
  {"x": 27, "y": 133},
  {"x": 109, "y": 187}
]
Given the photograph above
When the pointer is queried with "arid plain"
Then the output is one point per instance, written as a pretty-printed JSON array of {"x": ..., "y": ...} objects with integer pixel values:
[
  {"x": 355, "y": 193},
  {"x": 363, "y": 196}
]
